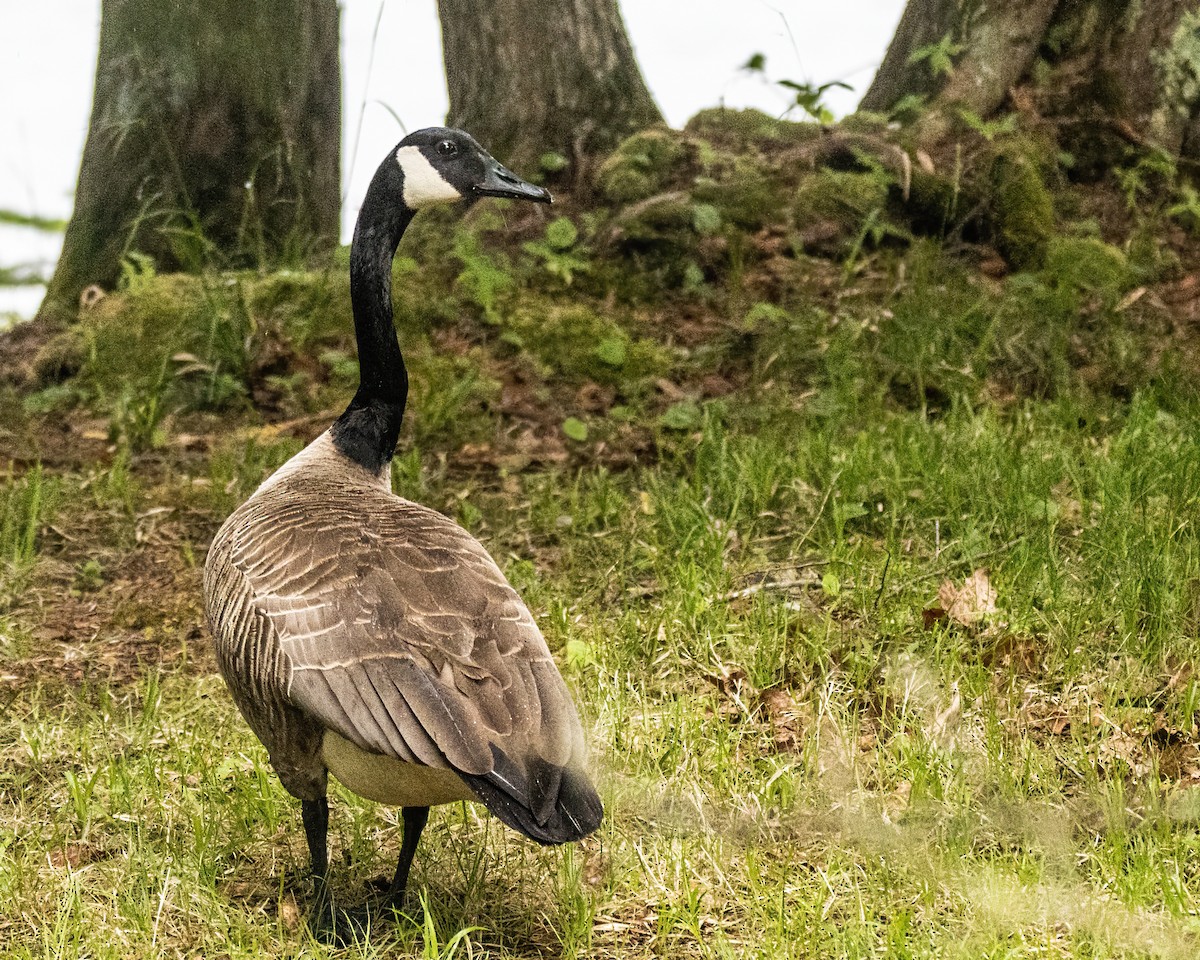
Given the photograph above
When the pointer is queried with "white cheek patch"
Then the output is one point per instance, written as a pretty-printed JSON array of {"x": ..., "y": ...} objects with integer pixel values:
[{"x": 423, "y": 185}]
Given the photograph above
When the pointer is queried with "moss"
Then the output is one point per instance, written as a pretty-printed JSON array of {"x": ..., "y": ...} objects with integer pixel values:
[
  {"x": 580, "y": 345},
  {"x": 643, "y": 165},
  {"x": 1151, "y": 257},
  {"x": 169, "y": 343},
  {"x": 1089, "y": 265},
  {"x": 934, "y": 202},
  {"x": 130, "y": 338},
  {"x": 60, "y": 358},
  {"x": 876, "y": 124},
  {"x": 843, "y": 198},
  {"x": 661, "y": 237},
  {"x": 1022, "y": 209},
  {"x": 307, "y": 308},
  {"x": 659, "y": 220},
  {"x": 737, "y": 127},
  {"x": 747, "y": 192}
]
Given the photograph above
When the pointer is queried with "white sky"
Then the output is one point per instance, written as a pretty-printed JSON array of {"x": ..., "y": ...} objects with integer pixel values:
[{"x": 690, "y": 60}]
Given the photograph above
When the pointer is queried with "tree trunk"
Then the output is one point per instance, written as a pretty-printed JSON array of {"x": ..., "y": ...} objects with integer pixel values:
[
  {"x": 923, "y": 23},
  {"x": 1108, "y": 71},
  {"x": 531, "y": 77},
  {"x": 214, "y": 137}
]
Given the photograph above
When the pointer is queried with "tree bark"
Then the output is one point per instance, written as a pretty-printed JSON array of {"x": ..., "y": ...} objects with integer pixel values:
[
  {"x": 531, "y": 77},
  {"x": 1130, "y": 67},
  {"x": 923, "y": 22},
  {"x": 214, "y": 137}
]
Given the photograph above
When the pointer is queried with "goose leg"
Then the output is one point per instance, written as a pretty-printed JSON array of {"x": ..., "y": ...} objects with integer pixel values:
[
  {"x": 414, "y": 822},
  {"x": 315, "y": 814}
]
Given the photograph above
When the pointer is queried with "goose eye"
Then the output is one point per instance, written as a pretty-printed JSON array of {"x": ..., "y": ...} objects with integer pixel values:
[{"x": 447, "y": 148}]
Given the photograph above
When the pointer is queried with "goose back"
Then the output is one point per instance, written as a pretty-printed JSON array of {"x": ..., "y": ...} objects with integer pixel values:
[{"x": 338, "y": 606}]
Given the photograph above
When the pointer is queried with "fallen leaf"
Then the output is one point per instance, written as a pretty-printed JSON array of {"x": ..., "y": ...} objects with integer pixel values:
[
  {"x": 786, "y": 719},
  {"x": 1130, "y": 299},
  {"x": 289, "y": 912},
  {"x": 971, "y": 602},
  {"x": 931, "y": 616}
]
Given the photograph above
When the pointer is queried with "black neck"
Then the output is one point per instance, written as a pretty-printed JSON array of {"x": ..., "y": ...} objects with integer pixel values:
[{"x": 367, "y": 432}]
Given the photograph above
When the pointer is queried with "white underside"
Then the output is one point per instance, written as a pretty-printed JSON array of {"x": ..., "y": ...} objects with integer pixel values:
[{"x": 390, "y": 781}]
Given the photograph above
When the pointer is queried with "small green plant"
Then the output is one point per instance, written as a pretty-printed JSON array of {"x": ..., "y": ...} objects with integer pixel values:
[
  {"x": 988, "y": 129},
  {"x": 807, "y": 97},
  {"x": 558, "y": 250},
  {"x": 137, "y": 272},
  {"x": 1186, "y": 208},
  {"x": 89, "y": 576},
  {"x": 27, "y": 503},
  {"x": 432, "y": 947},
  {"x": 684, "y": 415},
  {"x": 907, "y": 108},
  {"x": 553, "y": 162},
  {"x": 874, "y": 230},
  {"x": 575, "y": 428},
  {"x": 485, "y": 278},
  {"x": 938, "y": 56},
  {"x": 811, "y": 97},
  {"x": 613, "y": 351},
  {"x": 1147, "y": 176},
  {"x": 136, "y": 421}
]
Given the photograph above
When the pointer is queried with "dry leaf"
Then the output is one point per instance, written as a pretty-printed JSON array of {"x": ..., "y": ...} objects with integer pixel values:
[
  {"x": 786, "y": 719},
  {"x": 289, "y": 912},
  {"x": 91, "y": 296},
  {"x": 931, "y": 616},
  {"x": 1130, "y": 299},
  {"x": 971, "y": 602}
]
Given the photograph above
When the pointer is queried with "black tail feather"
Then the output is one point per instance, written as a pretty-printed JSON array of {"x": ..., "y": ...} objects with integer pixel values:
[{"x": 547, "y": 803}]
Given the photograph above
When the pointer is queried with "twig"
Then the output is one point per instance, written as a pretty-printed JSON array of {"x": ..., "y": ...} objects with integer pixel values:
[
  {"x": 780, "y": 584},
  {"x": 780, "y": 567},
  {"x": 882, "y": 582}
]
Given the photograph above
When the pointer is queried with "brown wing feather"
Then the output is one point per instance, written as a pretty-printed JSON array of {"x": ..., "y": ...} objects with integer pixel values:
[{"x": 400, "y": 632}]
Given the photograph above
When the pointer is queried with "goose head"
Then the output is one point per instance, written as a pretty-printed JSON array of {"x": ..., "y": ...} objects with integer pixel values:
[{"x": 442, "y": 165}]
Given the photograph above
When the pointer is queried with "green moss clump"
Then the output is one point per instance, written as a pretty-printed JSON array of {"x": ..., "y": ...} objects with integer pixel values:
[
  {"x": 643, "y": 165},
  {"x": 183, "y": 340},
  {"x": 1022, "y": 210},
  {"x": 176, "y": 343},
  {"x": 1088, "y": 265},
  {"x": 845, "y": 198},
  {"x": 306, "y": 308},
  {"x": 578, "y": 344},
  {"x": 864, "y": 121},
  {"x": 737, "y": 127},
  {"x": 935, "y": 202},
  {"x": 663, "y": 236},
  {"x": 747, "y": 192}
]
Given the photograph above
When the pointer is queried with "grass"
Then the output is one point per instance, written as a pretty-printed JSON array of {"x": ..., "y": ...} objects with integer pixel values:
[{"x": 793, "y": 766}]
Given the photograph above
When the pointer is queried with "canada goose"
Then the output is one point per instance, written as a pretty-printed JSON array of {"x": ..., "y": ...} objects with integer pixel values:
[{"x": 366, "y": 635}]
